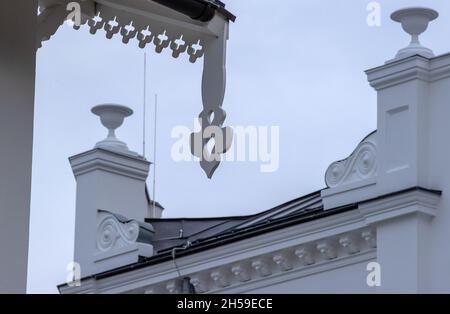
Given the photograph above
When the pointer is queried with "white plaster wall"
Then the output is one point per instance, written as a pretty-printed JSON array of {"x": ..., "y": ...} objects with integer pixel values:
[
  {"x": 120, "y": 195},
  {"x": 439, "y": 170}
]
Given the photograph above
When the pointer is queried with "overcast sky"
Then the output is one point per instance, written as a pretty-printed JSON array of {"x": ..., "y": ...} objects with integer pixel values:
[{"x": 298, "y": 65}]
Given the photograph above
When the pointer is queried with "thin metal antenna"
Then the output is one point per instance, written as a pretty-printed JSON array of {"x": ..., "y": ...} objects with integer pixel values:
[
  {"x": 154, "y": 153},
  {"x": 144, "y": 104}
]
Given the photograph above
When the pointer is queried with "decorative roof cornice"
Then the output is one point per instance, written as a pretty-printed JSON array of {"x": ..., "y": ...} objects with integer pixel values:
[
  {"x": 146, "y": 29},
  {"x": 321, "y": 255},
  {"x": 415, "y": 67},
  {"x": 140, "y": 20}
]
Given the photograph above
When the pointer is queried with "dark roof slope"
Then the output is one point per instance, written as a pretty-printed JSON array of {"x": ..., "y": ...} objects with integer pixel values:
[
  {"x": 177, "y": 232},
  {"x": 171, "y": 233},
  {"x": 201, "y": 10}
]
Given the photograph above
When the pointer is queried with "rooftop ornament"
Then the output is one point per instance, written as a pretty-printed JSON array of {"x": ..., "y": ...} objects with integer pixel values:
[
  {"x": 196, "y": 28},
  {"x": 112, "y": 117},
  {"x": 414, "y": 21}
]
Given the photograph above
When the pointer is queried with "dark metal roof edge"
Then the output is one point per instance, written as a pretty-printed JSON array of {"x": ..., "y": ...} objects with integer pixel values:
[
  {"x": 197, "y": 219},
  {"x": 220, "y": 7},
  {"x": 238, "y": 217},
  {"x": 302, "y": 199},
  {"x": 230, "y": 16},
  {"x": 201, "y": 10}
]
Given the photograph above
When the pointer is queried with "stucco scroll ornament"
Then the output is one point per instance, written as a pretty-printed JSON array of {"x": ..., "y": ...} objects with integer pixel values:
[
  {"x": 362, "y": 164},
  {"x": 111, "y": 233}
]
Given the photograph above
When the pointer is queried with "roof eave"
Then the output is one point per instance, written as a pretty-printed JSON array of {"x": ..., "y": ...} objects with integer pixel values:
[{"x": 200, "y": 10}]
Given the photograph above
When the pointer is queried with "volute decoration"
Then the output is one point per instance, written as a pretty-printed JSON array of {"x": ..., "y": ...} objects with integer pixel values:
[
  {"x": 113, "y": 234},
  {"x": 362, "y": 164}
]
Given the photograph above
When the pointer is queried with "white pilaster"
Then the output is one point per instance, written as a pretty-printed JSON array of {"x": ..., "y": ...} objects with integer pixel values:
[
  {"x": 403, "y": 122},
  {"x": 110, "y": 181},
  {"x": 403, "y": 221},
  {"x": 406, "y": 88},
  {"x": 17, "y": 80},
  {"x": 403, "y": 254}
]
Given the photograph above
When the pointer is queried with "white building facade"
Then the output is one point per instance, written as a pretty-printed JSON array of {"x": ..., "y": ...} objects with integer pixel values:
[{"x": 381, "y": 225}]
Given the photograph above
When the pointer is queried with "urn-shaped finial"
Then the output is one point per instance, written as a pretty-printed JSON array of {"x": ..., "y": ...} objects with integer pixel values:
[
  {"x": 414, "y": 21},
  {"x": 112, "y": 117}
]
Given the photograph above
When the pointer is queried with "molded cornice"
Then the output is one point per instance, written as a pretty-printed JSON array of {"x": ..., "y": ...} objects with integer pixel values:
[
  {"x": 412, "y": 68},
  {"x": 109, "y": 161},
  {"x": 411, "y": 201}
]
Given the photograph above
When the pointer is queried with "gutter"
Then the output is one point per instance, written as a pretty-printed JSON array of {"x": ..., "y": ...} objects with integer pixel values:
[{"x": 200, "y": 10}]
